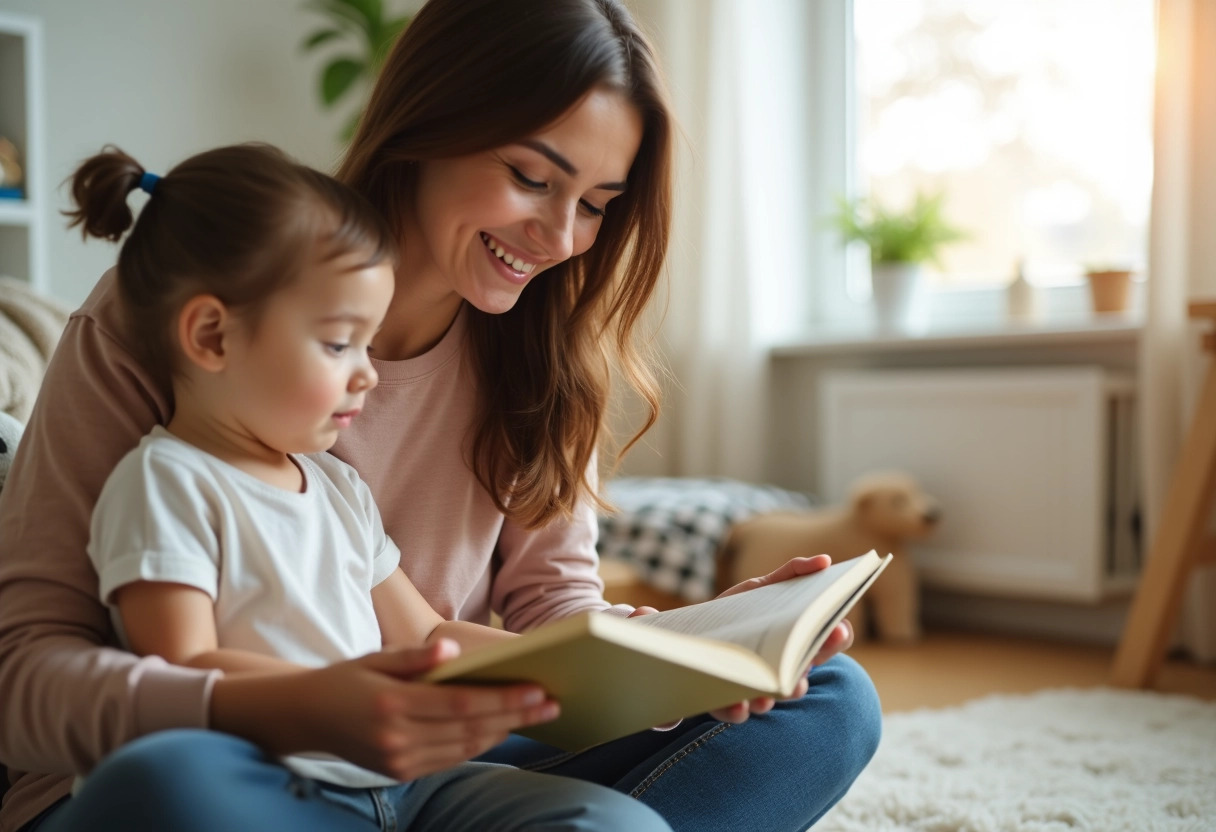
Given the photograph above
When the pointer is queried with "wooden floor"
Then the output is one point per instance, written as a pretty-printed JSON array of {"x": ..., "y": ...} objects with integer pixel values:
[{"x": 947, "y": 668}]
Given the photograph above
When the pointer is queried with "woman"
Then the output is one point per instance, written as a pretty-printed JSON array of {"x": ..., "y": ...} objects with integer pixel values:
[{"x": 522, "y": 149}]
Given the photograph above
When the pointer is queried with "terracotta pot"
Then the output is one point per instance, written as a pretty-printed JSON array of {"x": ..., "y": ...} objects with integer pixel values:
[{"x": 1109, "y": 289}]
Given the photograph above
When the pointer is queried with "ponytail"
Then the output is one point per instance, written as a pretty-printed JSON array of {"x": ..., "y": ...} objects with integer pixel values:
[{"x": 99, "y": 188}]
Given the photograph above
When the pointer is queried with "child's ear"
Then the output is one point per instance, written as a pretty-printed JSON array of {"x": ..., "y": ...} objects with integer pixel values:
[{"x": 202, "y": 326}]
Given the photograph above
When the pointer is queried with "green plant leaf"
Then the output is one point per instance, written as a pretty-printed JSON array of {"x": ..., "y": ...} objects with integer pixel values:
[
  {"x": 386, "y": 37},
  {"x": 913, "y": 236},
  {"x": 338, "y": 78},
  {"x": 319, "y": 37},
  {"x": 372, "y": 11},
  {"x": 340, "y": 13},
  {"x": 367, "y": 33}
]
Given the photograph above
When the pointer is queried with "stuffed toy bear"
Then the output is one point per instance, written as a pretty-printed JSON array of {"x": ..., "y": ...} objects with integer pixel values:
[
  {"x": 885, "y": 510},
  {"x": 10, "y": 434}
]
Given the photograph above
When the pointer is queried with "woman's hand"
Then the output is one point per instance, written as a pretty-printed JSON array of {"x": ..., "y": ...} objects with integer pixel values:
[
  {"x": 840, "y": 639},
  {"x": 371, "y": 712}
]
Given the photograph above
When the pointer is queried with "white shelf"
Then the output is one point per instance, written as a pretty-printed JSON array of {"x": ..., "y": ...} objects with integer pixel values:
[
  {"x": 15, "y": 212},
  {"x": 23, "y": 222}
]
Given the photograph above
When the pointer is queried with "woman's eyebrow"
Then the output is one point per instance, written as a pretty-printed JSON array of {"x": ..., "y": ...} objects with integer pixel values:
[{"x": 564, "y": 163}]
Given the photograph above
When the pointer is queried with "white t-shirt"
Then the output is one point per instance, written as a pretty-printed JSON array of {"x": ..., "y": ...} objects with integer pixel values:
[{"x": 290, "y": 573}]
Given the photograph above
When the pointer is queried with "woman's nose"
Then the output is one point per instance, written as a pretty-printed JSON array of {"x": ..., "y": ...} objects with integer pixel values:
[{"x": 554, "y": 231}]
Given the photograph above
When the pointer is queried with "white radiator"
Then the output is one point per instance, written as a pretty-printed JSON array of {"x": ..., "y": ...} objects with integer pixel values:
[{"x": 1035, "y": 470}]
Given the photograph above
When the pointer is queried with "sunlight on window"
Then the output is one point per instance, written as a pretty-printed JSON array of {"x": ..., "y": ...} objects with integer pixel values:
[{"x": 1034, "y": 117}]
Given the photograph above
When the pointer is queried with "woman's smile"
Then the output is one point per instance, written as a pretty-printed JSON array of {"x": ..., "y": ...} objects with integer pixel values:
[{"x": 514, "y": 266}]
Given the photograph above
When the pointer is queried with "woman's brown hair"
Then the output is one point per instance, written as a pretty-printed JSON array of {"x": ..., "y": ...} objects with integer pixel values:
[
  {"x": 471, "y": 75},
  {"x": 237, "y": 222}
]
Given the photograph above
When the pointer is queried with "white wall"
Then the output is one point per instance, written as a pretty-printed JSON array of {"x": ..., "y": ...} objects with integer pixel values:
[{"x": 164, "y": 79}]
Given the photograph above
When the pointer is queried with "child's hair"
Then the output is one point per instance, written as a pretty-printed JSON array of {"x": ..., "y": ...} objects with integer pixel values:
[{"x": 237, "y": 222}]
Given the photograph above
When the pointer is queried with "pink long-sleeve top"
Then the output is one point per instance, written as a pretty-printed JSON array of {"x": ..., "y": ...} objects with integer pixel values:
[{"x": 68, "y": 697}]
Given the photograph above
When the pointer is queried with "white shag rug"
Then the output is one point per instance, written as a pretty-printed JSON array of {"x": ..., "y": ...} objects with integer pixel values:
[{"x": 1055, "y": 761}]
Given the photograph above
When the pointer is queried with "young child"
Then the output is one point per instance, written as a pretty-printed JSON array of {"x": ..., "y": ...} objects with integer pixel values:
[{"x": 228, "y": 538}]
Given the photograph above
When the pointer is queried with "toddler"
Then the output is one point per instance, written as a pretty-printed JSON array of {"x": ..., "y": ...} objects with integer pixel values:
[{"x": 228, "y": 538}]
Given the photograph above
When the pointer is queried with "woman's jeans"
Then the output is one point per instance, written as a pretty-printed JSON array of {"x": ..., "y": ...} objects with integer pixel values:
[{"x": 778, "y": 772}]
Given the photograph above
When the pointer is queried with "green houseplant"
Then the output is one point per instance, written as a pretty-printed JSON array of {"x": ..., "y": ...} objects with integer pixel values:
[
  {"x": 366, "y": 34},
  {"x": 900, "y": 242}
]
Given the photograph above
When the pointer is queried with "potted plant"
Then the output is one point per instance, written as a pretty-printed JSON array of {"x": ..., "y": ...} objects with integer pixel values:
[
  {"x": 1109, "y": 286},
  {"x": 900, "y": 242},
  {"x": 367, "y": 32}
]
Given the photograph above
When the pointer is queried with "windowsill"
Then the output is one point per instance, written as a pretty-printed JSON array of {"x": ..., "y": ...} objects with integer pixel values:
[
  {"x": 1094, "y": 329},
  {"x": 974, "y": 318}
]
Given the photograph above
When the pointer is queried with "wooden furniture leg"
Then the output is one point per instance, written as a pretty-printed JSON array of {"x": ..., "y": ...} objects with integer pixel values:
[{"x": 1180, "y": 542}]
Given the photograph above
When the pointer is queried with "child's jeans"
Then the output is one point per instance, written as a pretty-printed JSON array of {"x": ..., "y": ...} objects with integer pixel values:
[{"x": 204, "y": 781}]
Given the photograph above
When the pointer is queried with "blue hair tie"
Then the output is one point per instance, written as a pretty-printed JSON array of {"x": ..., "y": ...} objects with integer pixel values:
[{"x": 147, "y": 182}]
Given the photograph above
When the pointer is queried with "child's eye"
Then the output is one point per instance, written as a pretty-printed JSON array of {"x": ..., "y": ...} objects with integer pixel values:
[
  {"x": 336, "y": 349},
  {"x": 525, "y": 181}
]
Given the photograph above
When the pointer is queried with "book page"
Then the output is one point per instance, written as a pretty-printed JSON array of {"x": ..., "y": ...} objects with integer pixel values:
[{"x": 762, "y": 619}]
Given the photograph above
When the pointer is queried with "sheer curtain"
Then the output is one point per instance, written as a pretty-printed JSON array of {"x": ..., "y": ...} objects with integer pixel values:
[
  {"x": 736, "y": 278},
  {"x": 1182, "y": 267}
]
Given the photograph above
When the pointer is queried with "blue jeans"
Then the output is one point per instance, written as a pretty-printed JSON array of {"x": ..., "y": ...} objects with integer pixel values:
[
  {"x": 779, "y": 772},
  {"x": 204, "y": 781}
]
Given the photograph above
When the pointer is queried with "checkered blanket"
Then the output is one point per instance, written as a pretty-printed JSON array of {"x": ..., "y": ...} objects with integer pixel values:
[{"x": 670, "y": 528}]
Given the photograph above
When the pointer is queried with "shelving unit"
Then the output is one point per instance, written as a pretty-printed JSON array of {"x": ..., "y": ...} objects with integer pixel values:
[{"x": 22, "y": 221}]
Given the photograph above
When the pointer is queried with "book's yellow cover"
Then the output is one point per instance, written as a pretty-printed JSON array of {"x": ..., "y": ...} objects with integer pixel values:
[{"x": 614, "y": 676}]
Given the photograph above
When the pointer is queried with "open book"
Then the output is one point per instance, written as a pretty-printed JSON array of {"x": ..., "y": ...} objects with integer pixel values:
[{"x": 614, "y": 676}]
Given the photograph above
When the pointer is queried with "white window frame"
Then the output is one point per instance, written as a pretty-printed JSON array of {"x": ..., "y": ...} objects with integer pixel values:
[
  {"x": 832, "y": 169},
  {"x": 832, "y": 155}
]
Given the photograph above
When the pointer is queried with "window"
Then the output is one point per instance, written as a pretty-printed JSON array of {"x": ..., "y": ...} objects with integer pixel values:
[{"x": 1033, "y": 118}]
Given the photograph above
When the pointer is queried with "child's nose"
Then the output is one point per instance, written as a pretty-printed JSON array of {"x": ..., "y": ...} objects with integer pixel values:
[{"x": 365, "y": 378}]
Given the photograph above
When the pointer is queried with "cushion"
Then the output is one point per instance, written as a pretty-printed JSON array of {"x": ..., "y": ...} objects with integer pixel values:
[{"x": 670, "y": 528}]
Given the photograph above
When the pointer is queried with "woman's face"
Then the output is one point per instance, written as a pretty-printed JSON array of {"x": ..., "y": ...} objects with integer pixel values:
[{"x": 488, "y": 223}]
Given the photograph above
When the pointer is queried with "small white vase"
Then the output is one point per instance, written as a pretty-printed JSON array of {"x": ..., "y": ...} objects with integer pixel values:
[
  {"x": 1021, "y": 298},
  {"x": 893, "y": 288}
]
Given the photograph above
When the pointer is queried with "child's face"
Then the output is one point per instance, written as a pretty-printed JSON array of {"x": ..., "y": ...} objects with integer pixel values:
[{"x": 301, "y": 374}]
